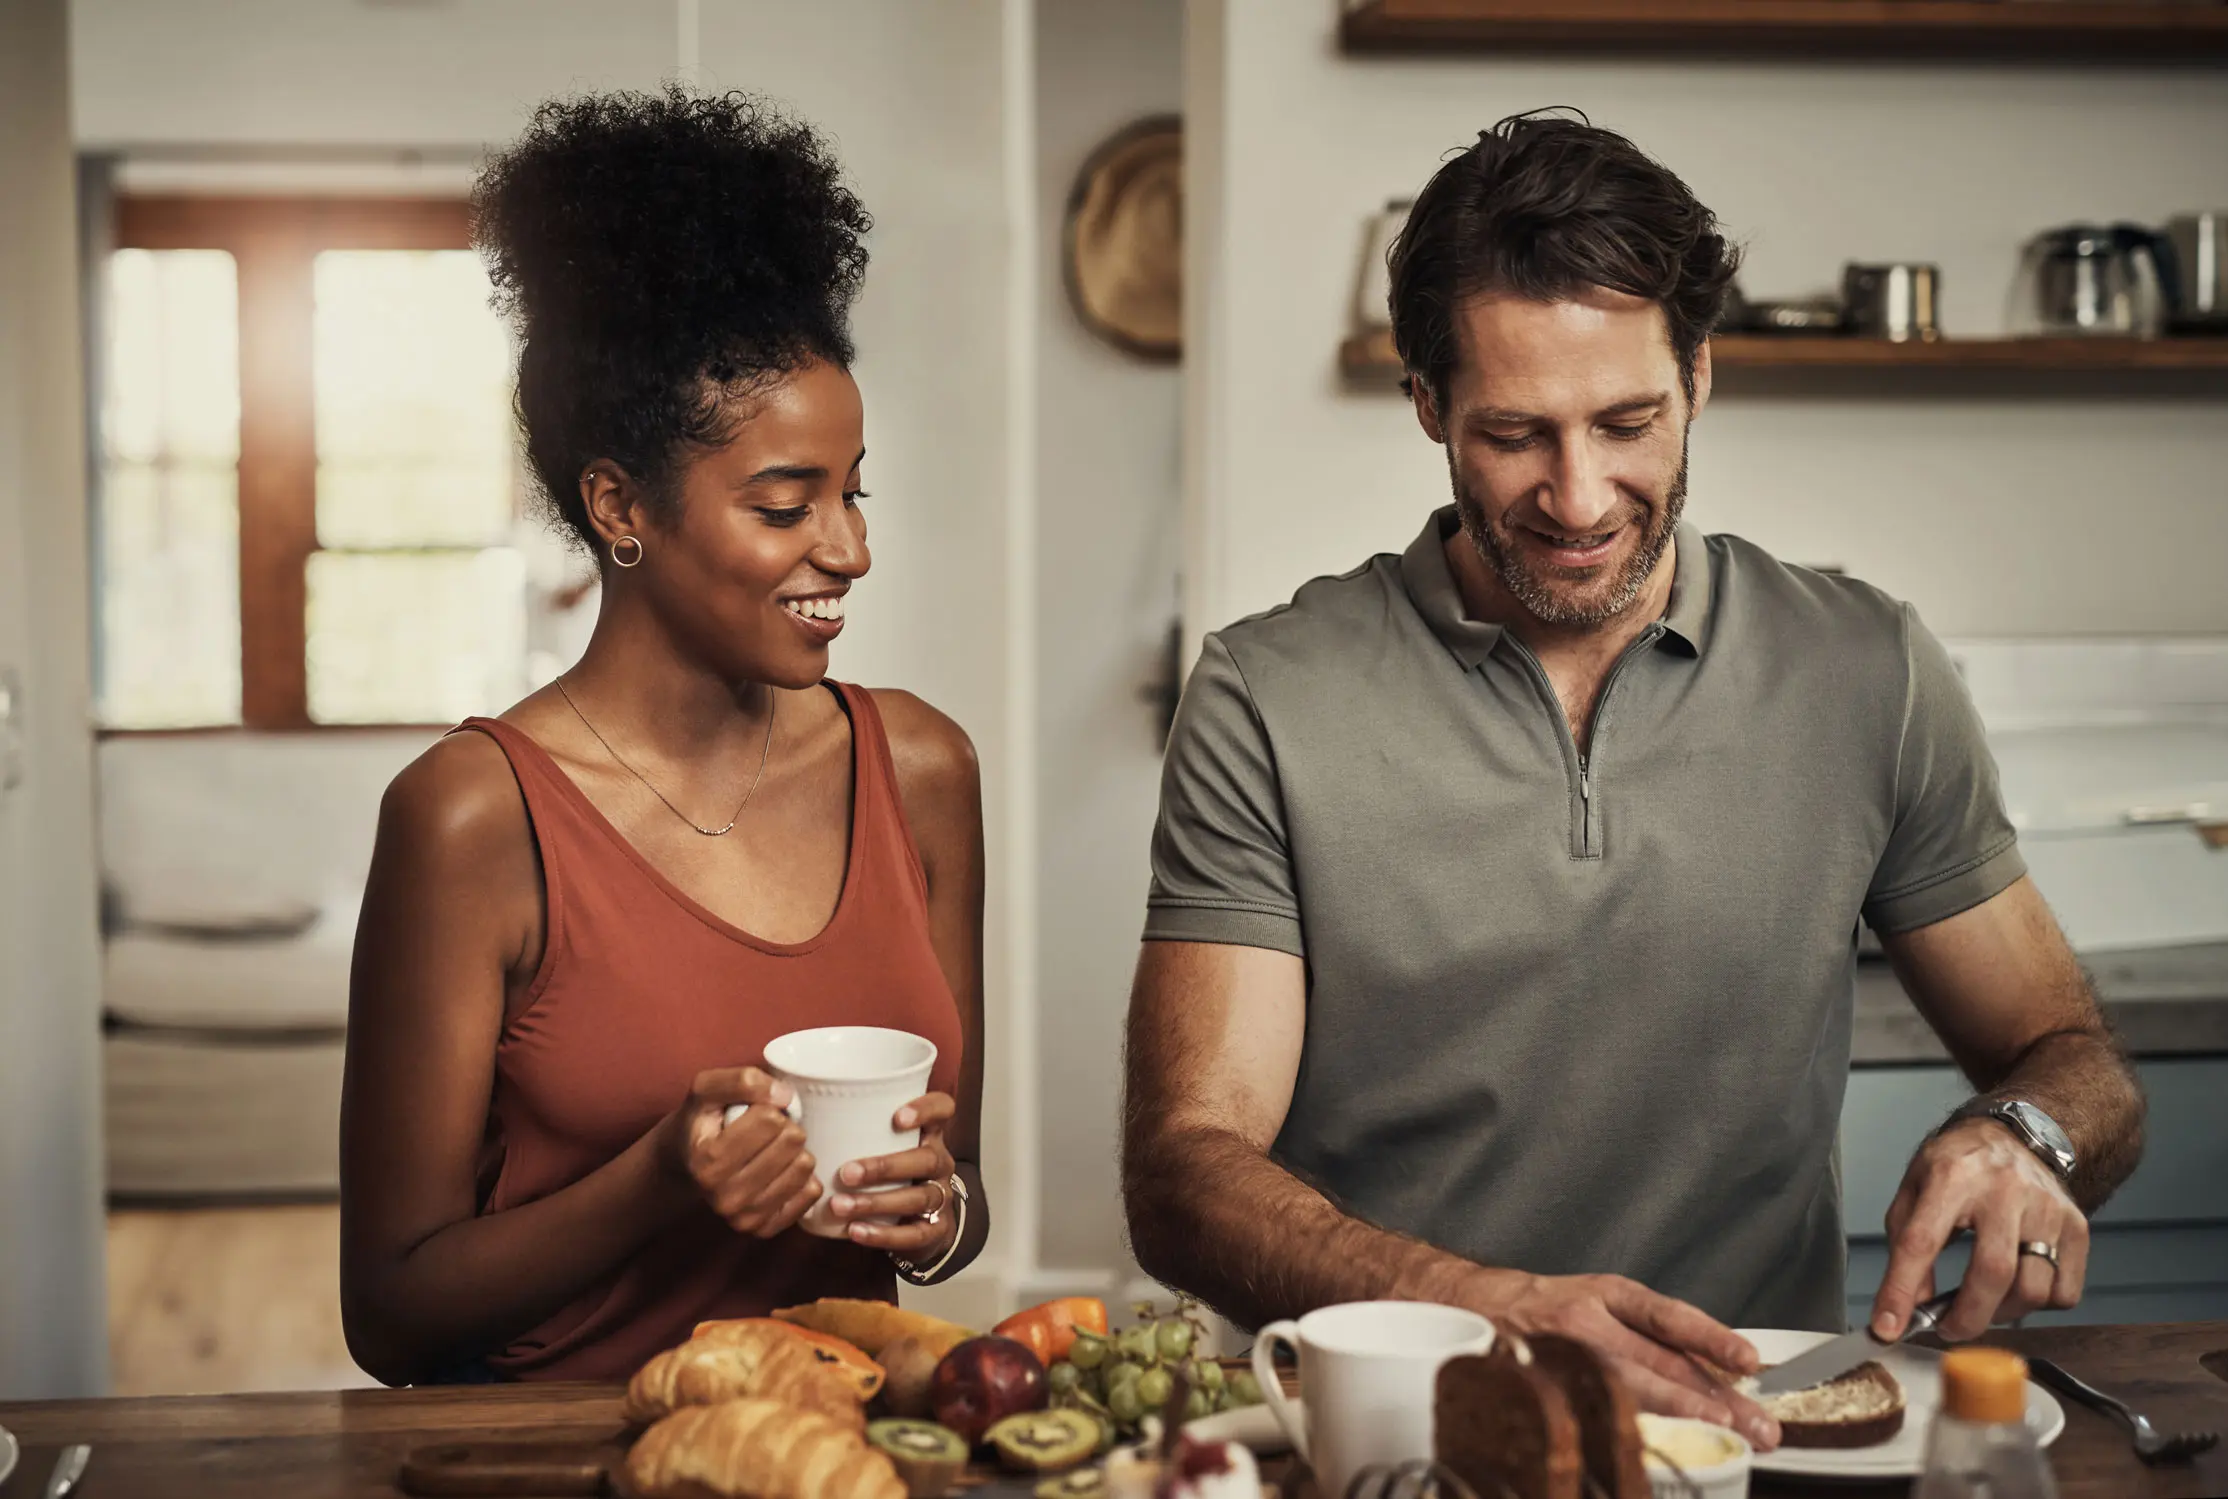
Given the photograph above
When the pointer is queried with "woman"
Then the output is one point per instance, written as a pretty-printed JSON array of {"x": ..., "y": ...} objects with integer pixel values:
[{"x": 585, "y": 919}]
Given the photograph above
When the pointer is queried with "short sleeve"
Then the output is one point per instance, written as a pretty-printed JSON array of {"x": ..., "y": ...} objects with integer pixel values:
[
  {"x": 1222, "y": 869},
  {"x": 1952, "y": 845}
]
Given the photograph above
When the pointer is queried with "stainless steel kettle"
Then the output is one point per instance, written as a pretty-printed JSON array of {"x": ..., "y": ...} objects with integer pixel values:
[{"x": 2111, "y": 280}]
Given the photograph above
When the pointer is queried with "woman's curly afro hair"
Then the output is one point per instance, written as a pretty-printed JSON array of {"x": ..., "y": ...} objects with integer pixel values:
[{"x": 659, "y": 255}]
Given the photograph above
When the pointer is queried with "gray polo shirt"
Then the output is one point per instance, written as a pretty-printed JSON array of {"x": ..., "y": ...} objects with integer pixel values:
[{"x": 1572, "y": 1014}]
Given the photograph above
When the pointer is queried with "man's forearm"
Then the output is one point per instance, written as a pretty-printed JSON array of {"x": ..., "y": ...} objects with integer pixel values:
[
  {"x": 2085, "y": 1082},
  {"x": 1211, "y": 1214}
]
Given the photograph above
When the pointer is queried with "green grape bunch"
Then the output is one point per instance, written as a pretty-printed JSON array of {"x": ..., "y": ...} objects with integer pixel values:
[{"x": 1120, "y": 1378}]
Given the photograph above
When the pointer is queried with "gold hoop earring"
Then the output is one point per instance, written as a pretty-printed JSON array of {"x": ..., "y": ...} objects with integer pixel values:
[{"x": 619, "y": 561}]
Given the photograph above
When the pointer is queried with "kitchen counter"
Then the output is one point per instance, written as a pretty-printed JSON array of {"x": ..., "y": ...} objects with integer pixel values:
[
  {"x": 350, "y": 1444},
  {"x": 2165, "y": 1002}
]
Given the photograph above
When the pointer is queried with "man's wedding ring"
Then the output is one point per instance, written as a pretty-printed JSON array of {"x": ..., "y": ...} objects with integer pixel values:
[
  {"x": 944, "y": 1200},
  {"x": 2041, "y": 1251}
]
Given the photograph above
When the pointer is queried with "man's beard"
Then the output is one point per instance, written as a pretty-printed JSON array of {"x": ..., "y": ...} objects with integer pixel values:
[{"x": 1548, "y": 598}]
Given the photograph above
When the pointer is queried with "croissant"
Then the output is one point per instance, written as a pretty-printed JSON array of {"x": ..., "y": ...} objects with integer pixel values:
[
  {"x": 765, "y": 1362},
  {"x": 846, "y": 1359},
  {"x": 757, "y": 1449},
  {"x": 873, "y": 1325}
]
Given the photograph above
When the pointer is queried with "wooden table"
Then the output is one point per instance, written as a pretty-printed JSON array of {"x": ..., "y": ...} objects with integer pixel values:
[{"x": 348, "y": 1445}]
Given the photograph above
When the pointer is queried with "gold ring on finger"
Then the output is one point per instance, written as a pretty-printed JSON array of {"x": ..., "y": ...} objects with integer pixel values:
[{"x": 2041, "y": 1251}]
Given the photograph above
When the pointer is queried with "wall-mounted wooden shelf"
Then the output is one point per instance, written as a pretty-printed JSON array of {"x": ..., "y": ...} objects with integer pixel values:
[
  {"x": 1368, "y": 358},
  {"x": 2069, "y": 355},
  {"x": 2067, "y": 30}
]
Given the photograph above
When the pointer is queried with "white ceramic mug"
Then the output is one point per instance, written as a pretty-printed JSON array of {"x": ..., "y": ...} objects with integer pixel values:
[
  {"x": 847, "y": 1083},
  {"x": 1368, "y": 1374}
]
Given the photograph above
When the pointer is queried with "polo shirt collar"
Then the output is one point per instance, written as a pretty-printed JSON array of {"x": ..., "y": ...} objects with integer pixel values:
[
  {"x": 1687, "y": 617},
  {"x": 1431, "y": 588}
]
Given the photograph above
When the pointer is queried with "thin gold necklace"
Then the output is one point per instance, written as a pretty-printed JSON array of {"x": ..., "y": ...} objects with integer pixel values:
[{"x": 773, "y": 706}]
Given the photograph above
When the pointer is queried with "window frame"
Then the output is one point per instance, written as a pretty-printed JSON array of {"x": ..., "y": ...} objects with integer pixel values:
[{"x": 274, "y": 244}]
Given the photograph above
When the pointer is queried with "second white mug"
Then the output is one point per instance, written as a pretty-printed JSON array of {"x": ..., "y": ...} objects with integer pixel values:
[
  {"x": 848, "y": 1083},
  {"x": 1368, "y": 1374}
]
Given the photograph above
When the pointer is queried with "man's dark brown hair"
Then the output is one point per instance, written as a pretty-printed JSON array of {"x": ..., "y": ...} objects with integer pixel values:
[{"x": 1544, "y": 207}]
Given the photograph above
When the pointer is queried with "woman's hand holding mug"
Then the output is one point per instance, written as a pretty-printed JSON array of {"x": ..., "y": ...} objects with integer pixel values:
[
  {"x": 754, "y": 1172},
  {"x": 922, "y": 1176},
  {"x": 861, "y": 1094}
]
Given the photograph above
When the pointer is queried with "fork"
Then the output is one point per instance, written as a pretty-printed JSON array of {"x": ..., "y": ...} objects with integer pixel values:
[{"x": 2151, "y": 1445}]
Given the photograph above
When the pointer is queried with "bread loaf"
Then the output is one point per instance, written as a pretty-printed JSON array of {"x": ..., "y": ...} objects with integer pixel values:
[
  {"x": 757, "y": 1449},
  {"x": 765, "y": 1361}
]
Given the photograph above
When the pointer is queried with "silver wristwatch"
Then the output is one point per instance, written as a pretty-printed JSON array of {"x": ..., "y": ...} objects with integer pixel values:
[{"x": 2035, "y": 1129}]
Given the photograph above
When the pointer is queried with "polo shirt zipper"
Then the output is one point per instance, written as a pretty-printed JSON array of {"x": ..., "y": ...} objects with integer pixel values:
[
  {"x": 1585, "y": 834},
  {"x": 1586, "y": 805}
]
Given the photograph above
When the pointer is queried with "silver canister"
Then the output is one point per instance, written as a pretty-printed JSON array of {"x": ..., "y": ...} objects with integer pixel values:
[
  {"x": 2200, "y": 270},
  {"x": 1896, "y": 302},
  {"x": 1373, "y": 287}
]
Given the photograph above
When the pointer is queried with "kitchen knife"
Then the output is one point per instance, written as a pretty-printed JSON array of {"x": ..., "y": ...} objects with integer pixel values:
[
  {"x": 1831, "y": 1360},
  {"x": 68, "y": 1471}
]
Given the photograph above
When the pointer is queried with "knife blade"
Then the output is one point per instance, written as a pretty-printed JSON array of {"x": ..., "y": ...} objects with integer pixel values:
[
  {"x": 1830, "y": 1360},
  {"x": 68, "y": 1470}
]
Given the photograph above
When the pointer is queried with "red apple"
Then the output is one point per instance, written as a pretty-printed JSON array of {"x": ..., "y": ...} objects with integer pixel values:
[{"x": 983, "y": 1381}]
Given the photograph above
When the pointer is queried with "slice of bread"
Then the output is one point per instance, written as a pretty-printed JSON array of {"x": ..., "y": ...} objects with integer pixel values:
[
  {"x": 1862, "y": 1408},
  {"x": 1503, "y": 1426},
  {"x": 1608, "y": 1419}
]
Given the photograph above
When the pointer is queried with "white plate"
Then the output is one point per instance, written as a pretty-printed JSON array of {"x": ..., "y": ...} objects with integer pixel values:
[
  {"x": 8, "y": 1454},
  {"x": 1919, "y": 1371}
]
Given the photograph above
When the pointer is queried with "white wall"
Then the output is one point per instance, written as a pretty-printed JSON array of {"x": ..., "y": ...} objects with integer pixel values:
[
  {"x": 1108, "y": 512},
  {"x": 915, "y": 98},
  {"x": 2071, "y": 514},
  {"x": 912, "y": 97},
  {"x": 52, "y": 1294},
  {"x": 290, "y": 73}
]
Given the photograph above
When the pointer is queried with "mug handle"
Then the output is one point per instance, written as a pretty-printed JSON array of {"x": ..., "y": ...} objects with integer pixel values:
[
  {"x": 1288, "y": 1414},
  {"x": 735, "y": 1111}
]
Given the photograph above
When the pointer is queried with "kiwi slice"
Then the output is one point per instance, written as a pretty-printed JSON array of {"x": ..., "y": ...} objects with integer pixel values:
[
  {"x": 1077, "y": 1483},
  {"x": 1045, "y": 1441},
  {"x": 1080, "y": 1400},
  {"x": 928, "y": 1457}
]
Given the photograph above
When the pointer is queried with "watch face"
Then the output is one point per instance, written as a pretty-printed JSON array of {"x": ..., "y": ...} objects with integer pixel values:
[{"x": 2043, "y": 1131}]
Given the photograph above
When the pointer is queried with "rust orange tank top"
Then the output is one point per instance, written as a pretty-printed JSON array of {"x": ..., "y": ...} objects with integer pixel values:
[{"x": 639, "y": 989}]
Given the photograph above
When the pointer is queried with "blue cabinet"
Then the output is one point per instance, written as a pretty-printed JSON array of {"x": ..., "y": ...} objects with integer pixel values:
[{"x": 2159, "y": 1247}]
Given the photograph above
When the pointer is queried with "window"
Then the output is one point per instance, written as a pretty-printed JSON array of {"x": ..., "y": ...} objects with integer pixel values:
[
  {"x": 415, "y": 600},
  {"x": 310, "y": 477},
  {"x": 170, "y": 491}
]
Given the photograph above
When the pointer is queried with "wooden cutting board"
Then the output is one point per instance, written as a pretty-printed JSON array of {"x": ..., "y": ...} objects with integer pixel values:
[{"x": 510, "y": 1470}]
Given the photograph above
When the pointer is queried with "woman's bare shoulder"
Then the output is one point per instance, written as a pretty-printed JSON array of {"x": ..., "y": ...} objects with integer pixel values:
[
  {"x": 457, "y": 804},
  {"x": 455, "y": 880},
  {"x": 934, "y": 757}
]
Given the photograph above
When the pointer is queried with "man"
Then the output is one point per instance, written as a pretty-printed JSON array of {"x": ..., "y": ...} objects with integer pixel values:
[{"x": 1501, "y": 938}]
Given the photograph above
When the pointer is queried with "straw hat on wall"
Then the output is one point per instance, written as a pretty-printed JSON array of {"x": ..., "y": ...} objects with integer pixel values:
[{"x": 1124, "y": 250}]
